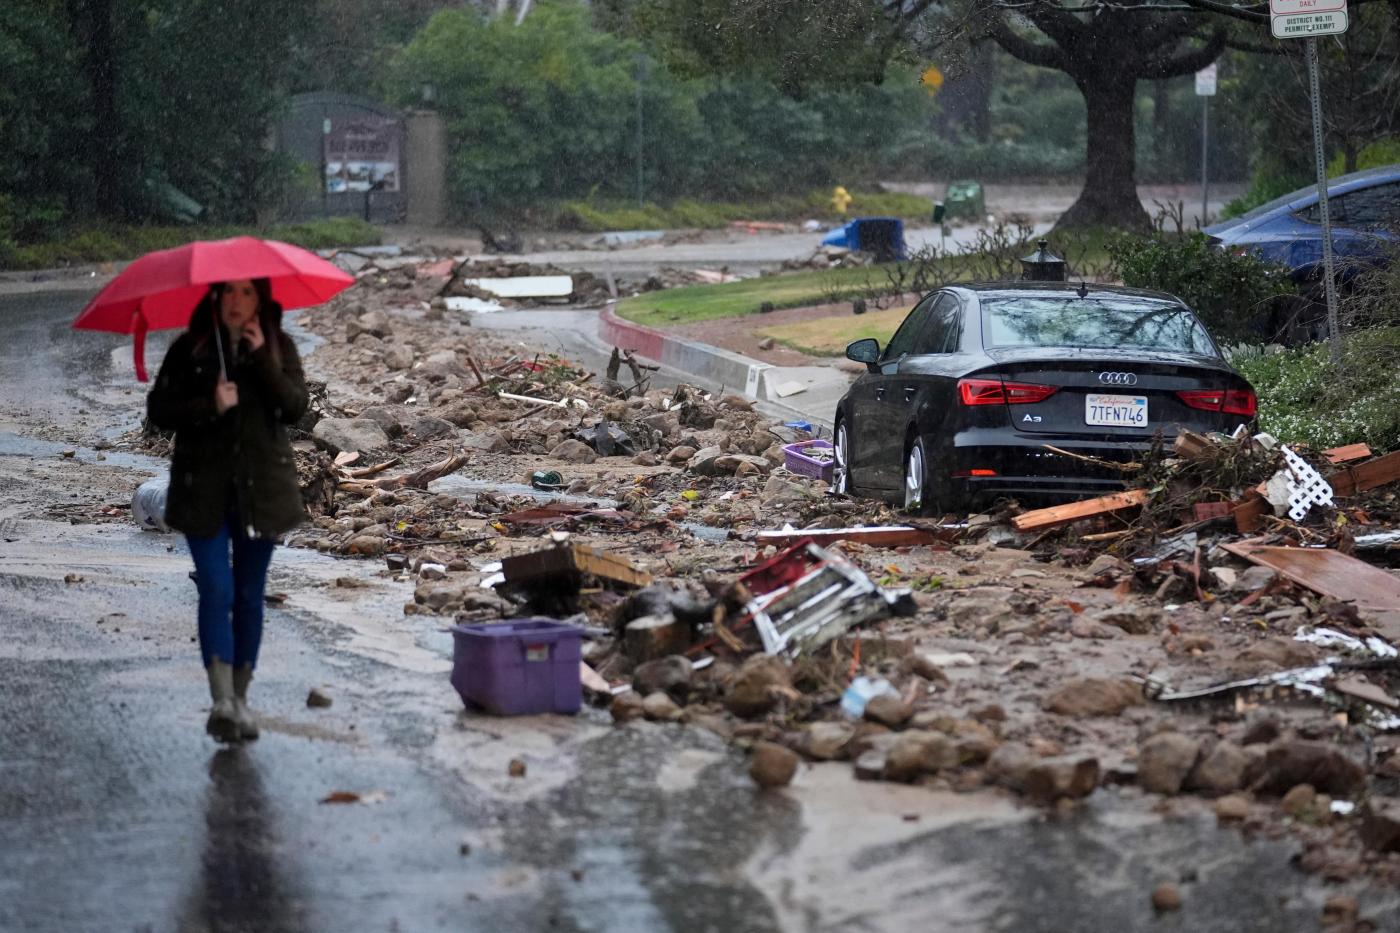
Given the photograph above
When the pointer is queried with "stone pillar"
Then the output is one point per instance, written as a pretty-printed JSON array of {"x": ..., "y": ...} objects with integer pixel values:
[{"x": 425, "y": 144}]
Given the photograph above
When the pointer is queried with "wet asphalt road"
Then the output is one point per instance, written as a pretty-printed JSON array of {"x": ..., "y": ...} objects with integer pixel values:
[{"x": 117, "y": 813}]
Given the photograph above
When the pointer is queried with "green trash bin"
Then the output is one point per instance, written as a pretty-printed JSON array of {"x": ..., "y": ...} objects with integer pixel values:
[{"x": 964, "y": 200}]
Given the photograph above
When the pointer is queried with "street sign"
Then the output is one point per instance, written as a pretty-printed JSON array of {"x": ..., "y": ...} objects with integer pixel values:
[
  {"x": 1205, "y": 81},
  {"x": 1294, "y": 7},
  {"x": 1308, "y": 25}
]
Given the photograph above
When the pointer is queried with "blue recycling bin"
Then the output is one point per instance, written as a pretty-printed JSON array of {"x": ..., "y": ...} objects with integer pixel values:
[{"x": 883, "y": 236}]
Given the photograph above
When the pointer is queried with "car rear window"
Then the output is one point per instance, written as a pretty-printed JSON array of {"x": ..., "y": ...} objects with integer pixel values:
[{"x": 1092, "y": 322}]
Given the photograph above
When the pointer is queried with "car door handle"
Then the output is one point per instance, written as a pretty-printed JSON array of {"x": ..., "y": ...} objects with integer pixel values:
[
  {"x": 879, "y": 393},
  {"x": 909, "y": 393}
]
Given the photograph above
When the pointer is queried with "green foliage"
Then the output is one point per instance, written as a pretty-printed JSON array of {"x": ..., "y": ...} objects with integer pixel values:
[
  {"x": 116, "y": 242},
  {"x": 1264, "y": 187},
  {"x": 1379, "y": 153},
  {"x": 1303, "y": 399},
  {"x": 547, "y": 110},
  {"x": 1227, "y": 292},
  {"x": 599, "y": 215}
]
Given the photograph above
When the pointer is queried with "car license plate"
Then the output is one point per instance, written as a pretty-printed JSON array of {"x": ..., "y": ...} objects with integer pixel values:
[{"x": 1116, "y": 411}]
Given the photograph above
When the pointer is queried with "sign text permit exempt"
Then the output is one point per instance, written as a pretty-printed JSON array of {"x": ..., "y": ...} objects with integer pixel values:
[{"x": 1307, "y": 25}]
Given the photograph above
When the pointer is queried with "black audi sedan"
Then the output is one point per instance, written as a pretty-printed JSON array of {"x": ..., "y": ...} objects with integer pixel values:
[{"x": 979, "y": 380}]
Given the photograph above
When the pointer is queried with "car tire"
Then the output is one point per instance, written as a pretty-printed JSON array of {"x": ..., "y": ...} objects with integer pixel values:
[
  {"x": 923, "y": 494},
  {"x": 842, "y": 483}
]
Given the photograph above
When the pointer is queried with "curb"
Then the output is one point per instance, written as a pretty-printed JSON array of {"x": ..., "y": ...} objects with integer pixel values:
[{"x": 729, "y": 370}]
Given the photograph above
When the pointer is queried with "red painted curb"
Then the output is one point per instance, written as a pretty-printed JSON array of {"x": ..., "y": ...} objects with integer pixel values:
[{"x": 629, "y": 336}]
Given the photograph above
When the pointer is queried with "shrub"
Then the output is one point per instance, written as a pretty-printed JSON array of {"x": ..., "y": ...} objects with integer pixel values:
[
  {"x": 1304, "y": 399},
  {"x": 1231, "y": 294}
]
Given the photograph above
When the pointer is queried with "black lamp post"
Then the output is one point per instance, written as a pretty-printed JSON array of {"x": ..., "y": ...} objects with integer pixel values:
[{"x": 1042, "y": 265}]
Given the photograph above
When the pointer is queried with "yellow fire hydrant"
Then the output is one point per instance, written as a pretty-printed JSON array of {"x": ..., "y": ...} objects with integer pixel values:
[{"x": 840, "y": 200}]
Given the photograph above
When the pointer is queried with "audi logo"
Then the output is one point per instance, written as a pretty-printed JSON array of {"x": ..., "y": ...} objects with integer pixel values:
[{"x": 1118, "y": 379}]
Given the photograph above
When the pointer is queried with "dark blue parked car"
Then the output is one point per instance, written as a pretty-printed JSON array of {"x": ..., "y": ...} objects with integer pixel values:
[{"x": 1365, "y": 209}]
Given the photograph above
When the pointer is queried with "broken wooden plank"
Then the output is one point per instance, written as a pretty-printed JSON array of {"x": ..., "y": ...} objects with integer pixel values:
[
  {"x": 1347, "y": 453},
  {"x": 1192, "y": 446},
  {"x": 572, "y": 562},
  {"x": 1205, "y": 511},
  {"x": 1074, "y": 511},
  {"x": 1249, "y": 514},
  {"x": 1363, "y": 476},
  {"x": 882, "y": 536},
  {"x": 1326, "y": 571}
]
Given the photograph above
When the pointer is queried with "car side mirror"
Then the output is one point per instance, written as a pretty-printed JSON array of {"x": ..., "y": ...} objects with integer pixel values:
[{"x": 865, "y": 351}]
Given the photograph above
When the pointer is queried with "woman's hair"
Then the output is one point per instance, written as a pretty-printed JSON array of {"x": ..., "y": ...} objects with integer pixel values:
[{"x": 206, "y": 313}]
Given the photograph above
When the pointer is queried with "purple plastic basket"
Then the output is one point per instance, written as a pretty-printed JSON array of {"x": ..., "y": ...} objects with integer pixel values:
[
  {"x": 798, "y": 462},
  {"x": 518, "y": 667}
]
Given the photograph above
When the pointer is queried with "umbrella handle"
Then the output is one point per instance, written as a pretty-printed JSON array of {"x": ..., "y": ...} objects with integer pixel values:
[
  {"x": 219, "y": 343},
  {"x": 138, "y": 346}
]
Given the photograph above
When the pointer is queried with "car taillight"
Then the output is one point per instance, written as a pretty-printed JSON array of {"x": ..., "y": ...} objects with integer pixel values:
[
  {"x": 996, "y": 392},
  {"x": 1228, "y": 401}
]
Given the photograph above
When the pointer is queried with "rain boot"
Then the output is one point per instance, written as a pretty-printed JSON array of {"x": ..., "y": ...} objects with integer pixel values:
[
  {"x": 242, "y": 715},
  {"x": 221, "y": 725}
]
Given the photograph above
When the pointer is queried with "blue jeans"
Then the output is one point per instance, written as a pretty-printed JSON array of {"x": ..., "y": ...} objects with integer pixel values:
[{"x": 230, "y": 593}]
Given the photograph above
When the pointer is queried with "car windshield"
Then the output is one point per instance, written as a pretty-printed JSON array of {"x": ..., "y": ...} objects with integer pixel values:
[{"x": 1109, "y": 323}]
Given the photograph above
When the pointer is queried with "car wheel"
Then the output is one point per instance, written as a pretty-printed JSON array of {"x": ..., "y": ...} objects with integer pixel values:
[
  {"x": 841, "y": 481},
  {"x": 922, "y": 494}
]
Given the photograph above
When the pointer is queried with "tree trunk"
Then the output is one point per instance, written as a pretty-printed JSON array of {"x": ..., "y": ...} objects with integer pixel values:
[
  {"x": 1110, "y": 197},
  {"x": 94, "y": 19}
]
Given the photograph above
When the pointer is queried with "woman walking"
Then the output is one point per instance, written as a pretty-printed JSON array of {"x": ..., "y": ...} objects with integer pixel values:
[{"x": 227, "y": 387}]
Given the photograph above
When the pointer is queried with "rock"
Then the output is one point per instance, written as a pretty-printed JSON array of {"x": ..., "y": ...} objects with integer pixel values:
[
  {"x": 430, "y": 571},
  {"x": 1381, "y": 824},
  {"x": 1069, "y": 776},
  {"x": 1166, "y": 897},
  {"x": 1009, "y": 764},
  {"x": 655, "y": 636},
  {"x": 981, "y": 611},
  {"x": 767, "y": 343},
  {"x": 572, "y": 451},
  {"x": 915, "y": 753},
  {"x": 923, "y": 666},
  {"x": 1219, "y": 772},
  {"x": 387, "y": 420},
  {"x": 1164, "y": 761},
  {"x": 1300, "y": 801},
  {"x": 346, "y": 434},
  {"x": 1232, "y": 808},
  {"x": 1091, "y": 696},
  {"x": 1261, "y": 732},
  {"x": 702, "y": 461},
  {"x": 1088, "y": 628},
  {"x": 442, "y": 363},
  {"x": 772, "y": 765},
  {"x": 489, "y": 442},
  {"x": 779, "y": 492},
  {"x": 975, "y": 749},
  {"x": 829, "y": 741},
  {"x": 318, "y": 699},
  {"x": 1253, "y": 578},
  {"x": 398, "y": 357},
  {"x": 1292, "y": 762},
  {"x": 646, "y": 458},
  {"x": 1106, "y": 563},
  {"x": 375, "y": 323},
  {"x": 681, "y": 454},
  {"x": 735, "y": 463},
  {"x": 661, "y": 708},
  {"x": 670, "y": 675},
  {"x": 888, "y": 710},
  {"x": 429, "y": 427},
  {"x": 366, "y": 545},
  {"x": 757, "y": 686},
  {"x": 1340, "y": 909},
  {"x": 992, "y": 712},
  {"x": 626, "y": 707},
  {"x": 1272, "y": 654},
  {"x": 1226, "y": 578},
  {"x": 516, "y": 768},
  {"x": 870, "y": 766},
  {"x": 1135, "y": 620},
  {"x": 400, "y": 392}
]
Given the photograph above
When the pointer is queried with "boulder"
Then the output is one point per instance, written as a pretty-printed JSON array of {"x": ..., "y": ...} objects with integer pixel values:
[
  {"x": 1069, "y": 776},
  {"x": 829, "y": 741},
  {"x": 669, "y": 675},
  {"x": 572, "y": 451},
  {"x": 1232, "y": 808},
  {"x": 398, "y": 357},
  {"x": 702, "y": 461},
  {"x": 1219, "y": 772},
  {"x": 650, "y": 637},
  {"x": 347, "y": 434},
  {"x": 626, "y": 707},
  {"x": 779, "y": 492},
  {"x": 487, "y": 442},
  {"x": 1092, "y": 696},
  {"x": 660, "y": 708},
  {"x": 1380, "y": 824},
  {"x": 917, "y": 753},
  {"x": 888, "y": 710},
  {"x": 772, "y": 765},
  {"x": 427, "y": 427},
  {"x": 734, "y": 463},
  {"x": 757, "y": 686},
  {"x": 1165, "y": 760},
  {"x": 1009, "y": 765},
  {"x": 386, "y": 418},
  {"x": 1292, "y": 762},
  {"x": 375, "y": 323}
]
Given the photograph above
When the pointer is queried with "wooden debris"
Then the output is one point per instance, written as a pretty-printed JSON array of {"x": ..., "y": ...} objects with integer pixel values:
[
  {"x": 882, "y": 536},
  {"x": 1249, "y": 514},
  {"x": 1192, "y": 446},
  {"x": 1074, "y": 511},
  {"x": 572, "y": 563},
  {"x": 1347, "y": 453},
  {"x": 1363, "y": 476},
  {"x": 418, "y": 479},
  {"x": 1325, "y": 571},
  {"x": 1131, "y": 466}
]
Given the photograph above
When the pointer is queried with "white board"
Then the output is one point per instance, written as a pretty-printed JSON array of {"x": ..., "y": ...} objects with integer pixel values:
[{"x": 527, "y": 286}]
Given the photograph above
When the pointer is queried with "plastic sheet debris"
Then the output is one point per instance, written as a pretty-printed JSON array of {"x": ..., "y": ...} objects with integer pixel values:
[
  {"x": 1377, "y": 542},
  {"x": 1331, "y": 638},
  {"x": 861, "y": 691},
  {"x": 148, "y": 504},
  {"x": 809, "y": 595},
  {"x": 473, "y": 305},
  {"x": 608, "y": 439}
]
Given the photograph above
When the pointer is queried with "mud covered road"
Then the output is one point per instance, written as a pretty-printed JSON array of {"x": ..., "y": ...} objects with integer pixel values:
[{"x": 117, "y": 813}]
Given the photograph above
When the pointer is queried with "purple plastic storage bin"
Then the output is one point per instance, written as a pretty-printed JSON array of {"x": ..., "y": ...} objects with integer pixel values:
[
  {"x": 517, "y": 667},
  {"x": 798, "y": 462}
]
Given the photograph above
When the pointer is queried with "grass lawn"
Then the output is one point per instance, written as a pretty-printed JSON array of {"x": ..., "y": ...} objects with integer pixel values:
[
  {"x": 603, "y": 214},
  {"x": 706, "y": 302},
  {"x": 829, "y": 336}
]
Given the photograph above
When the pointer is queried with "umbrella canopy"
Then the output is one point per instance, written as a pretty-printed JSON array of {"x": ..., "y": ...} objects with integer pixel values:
[{"x": 161, "y": 289}]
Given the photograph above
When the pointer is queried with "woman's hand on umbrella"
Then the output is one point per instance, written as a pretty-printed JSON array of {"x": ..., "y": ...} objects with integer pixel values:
[
  {"x": 225, "y": 395},
  {"x": 252, "y": 333}
]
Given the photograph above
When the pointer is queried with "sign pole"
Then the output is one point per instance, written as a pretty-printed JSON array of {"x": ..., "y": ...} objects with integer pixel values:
[
  {"x": 1205, "y": 161},
  {"x": 1334, "y": 336}
]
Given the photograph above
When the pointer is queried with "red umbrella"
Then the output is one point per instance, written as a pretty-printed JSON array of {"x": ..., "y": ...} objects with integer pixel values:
[{"x": 160, "y": 290}]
